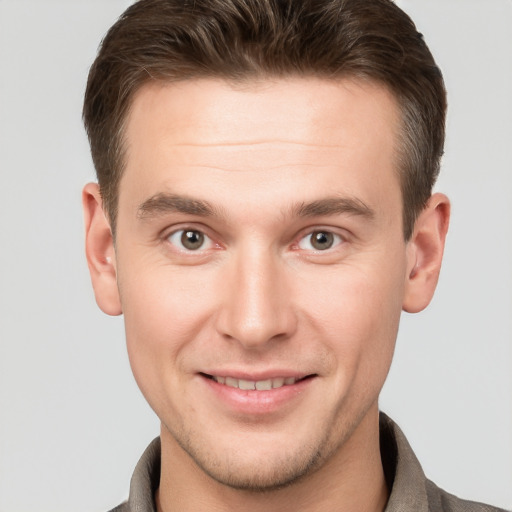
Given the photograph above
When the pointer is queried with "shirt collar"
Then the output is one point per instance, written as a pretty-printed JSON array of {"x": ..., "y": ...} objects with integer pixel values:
[
  {"x": 403, "y": 471},
  {"x": 145, "y": 480}
]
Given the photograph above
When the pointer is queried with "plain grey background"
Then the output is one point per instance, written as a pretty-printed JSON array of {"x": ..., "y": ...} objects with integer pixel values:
[{"x": 72, "y": 421}]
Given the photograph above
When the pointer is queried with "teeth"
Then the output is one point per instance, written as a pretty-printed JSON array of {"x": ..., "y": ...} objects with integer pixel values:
[
  {"x": 246, "y": 384},
  {"x": 264, "y": 385},
  {"x": 260, "y": 385},
  {"x": 277, "y": 383},
  {"x": 233, "y": 383}
]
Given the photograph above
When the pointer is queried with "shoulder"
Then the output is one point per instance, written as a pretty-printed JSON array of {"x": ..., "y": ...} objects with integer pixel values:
[{"x": 442, "y": 501}]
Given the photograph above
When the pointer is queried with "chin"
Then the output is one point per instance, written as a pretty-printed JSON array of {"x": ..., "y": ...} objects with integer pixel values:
[
  {"x": 261, "y": 477},
  {"x": 256, "y": 469}
]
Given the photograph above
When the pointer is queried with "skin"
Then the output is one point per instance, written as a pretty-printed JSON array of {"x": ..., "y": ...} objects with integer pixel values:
[{"x": 257, "y": 168}]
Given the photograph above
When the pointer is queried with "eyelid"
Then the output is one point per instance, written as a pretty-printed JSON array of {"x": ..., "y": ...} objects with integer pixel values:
[
  {"x": 342, "y": 238},
  {"x": 209, "y": 239}
]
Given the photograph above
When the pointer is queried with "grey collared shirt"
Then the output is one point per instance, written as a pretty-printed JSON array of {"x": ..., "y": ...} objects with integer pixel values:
[{"x": 411, "y": 491}]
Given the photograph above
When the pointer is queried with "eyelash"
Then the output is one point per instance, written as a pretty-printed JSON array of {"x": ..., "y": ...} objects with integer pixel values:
[
  {"x": 175, "y": 239},
  {"x": 179, "y": 233},
  {"x": 332, "y": 237}
]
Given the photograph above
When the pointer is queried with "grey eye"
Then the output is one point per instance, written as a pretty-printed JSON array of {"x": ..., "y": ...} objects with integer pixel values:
[
  {"x": 190, "y": 240},
  {"x": 320, "y": 241}
]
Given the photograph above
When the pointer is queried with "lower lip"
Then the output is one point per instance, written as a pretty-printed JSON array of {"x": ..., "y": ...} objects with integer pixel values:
[{"x": 253, "y": 402}]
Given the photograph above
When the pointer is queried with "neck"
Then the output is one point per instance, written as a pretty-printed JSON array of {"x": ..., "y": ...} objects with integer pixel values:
[{"x": 351, "y": 479}]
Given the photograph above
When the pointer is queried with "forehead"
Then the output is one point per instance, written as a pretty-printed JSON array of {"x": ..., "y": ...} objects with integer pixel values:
[
  {"x": 311, "y": 132},
  {"x": 214, "y": 110}
]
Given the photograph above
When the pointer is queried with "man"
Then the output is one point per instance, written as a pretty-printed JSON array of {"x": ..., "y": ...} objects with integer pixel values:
[{"x": 264, "y": 213}]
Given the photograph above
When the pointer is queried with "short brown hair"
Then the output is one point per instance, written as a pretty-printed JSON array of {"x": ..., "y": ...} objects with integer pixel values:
[{"x": 172, "y": 40}]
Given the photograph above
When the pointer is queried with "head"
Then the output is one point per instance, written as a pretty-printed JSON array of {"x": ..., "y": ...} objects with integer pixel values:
[
  {"x": 242, "y": 40},
  {"x": 267, "y": 167}
]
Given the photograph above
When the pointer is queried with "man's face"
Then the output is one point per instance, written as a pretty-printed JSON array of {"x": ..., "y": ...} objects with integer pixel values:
[{"x": 261, "y": 267}]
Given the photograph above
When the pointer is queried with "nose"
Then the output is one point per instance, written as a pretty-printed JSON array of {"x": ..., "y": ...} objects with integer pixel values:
[{"x": 257, "y": 304}]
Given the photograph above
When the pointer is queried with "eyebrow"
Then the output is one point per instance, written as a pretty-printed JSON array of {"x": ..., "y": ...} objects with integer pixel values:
[
  {"x": 335, "y": 206},
  {"x": 161, "y": 204}
]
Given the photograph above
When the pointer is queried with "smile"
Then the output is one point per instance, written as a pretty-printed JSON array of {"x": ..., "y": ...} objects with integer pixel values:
[{"x": 258, "y": 385}]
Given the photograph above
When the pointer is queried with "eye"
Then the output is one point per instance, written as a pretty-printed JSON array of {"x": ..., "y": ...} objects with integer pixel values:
[
  {"x": 190, "y": 240},
  {"x": 320, "y": 240}
]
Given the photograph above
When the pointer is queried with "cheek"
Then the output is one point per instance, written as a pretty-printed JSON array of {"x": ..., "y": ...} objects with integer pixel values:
[
  {"x": 357, "y": 314},
  {"x": 165, "y": 302},
  {"x": 164, "y": 311}
]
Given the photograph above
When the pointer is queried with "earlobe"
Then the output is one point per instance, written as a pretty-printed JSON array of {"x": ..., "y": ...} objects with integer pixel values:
[
  {"x": 425, "y": 253},
  {"x": 99, "y": 248}
]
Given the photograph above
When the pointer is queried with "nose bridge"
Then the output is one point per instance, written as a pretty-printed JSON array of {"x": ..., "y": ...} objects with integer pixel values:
[{"x": 257, "y": 305}]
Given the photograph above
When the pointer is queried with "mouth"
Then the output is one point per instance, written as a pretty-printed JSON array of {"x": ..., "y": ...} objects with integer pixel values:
[{"x": 257, "y": 385}]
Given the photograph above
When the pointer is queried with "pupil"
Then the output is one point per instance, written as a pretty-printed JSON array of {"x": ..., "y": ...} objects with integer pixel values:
[
  {"x": 321, "y": 240},
  {"x": 192, "y": 239}
]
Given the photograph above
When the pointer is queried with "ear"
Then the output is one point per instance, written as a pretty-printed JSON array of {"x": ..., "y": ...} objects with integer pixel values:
[
  {"x": 99, "y": 249},
  {"x": 425, "y": 253}
]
